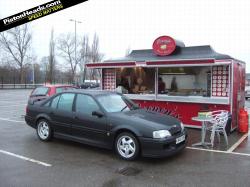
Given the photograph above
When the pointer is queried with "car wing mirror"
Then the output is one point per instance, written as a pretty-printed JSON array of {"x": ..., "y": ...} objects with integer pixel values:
[{"x": 99, "y": 114}]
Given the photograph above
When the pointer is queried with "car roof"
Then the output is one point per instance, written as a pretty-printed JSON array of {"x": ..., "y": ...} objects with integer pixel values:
[
  {"x": 57, "y": 85},
  {"x": 91, "y": 92}
]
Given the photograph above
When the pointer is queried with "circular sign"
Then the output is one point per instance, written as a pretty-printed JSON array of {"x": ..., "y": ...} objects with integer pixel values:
[{"x": 164, "y": 45}]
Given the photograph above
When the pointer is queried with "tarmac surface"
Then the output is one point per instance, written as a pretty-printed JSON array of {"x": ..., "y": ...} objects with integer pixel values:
[{"x": 26, "y": 161}]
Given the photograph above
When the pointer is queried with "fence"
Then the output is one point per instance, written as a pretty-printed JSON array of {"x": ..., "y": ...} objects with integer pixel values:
[{"x": 19, "y": 86}]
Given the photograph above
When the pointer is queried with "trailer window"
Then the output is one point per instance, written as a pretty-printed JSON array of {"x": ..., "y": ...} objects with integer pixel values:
[
  {"x": 184, "y": 81},
  {"x": 137, "y": 80}
]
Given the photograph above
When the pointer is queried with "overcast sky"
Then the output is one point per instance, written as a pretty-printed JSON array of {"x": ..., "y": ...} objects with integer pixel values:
[{"x": 134, "y": 24}]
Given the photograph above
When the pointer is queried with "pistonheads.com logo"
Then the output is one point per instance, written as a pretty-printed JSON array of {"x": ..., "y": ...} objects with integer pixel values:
[{"x": 35, "y": 13}]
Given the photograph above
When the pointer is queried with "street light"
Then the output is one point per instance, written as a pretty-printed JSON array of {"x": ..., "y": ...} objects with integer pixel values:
[{"x": 76, "y": 21}]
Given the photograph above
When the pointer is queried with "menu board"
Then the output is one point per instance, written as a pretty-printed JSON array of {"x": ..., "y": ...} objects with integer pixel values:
[
  {"x": 108, "y": 77},
  {"x": 220, "y": 81}
]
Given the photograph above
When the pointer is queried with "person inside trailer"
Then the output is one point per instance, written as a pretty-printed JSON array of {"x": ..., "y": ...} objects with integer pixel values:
[
  {"x": 161, "y": 86},
  {"x": 139, "y": 87},
  {"x": 174, "y": 87},
  {"x": 123, "y": 86}
]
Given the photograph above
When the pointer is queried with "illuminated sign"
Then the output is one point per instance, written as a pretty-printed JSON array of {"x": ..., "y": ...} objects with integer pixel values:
[{"x": 164, "y": 45}]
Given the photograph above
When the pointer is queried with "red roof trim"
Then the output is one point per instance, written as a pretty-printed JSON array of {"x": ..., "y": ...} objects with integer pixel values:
[
  {"x": 207, "y": 61},
  {"x": 150, "y": 63},
  {"x": 116, "y": 64}
]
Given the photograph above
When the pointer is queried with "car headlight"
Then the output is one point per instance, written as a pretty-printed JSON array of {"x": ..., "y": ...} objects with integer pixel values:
[
  {"x": 182, "y": 126},
  {"x": 161, "y": 134}
]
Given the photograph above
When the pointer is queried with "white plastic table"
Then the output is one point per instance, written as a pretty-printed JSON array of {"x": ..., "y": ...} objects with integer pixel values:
[{"x": 203, "y": 130}]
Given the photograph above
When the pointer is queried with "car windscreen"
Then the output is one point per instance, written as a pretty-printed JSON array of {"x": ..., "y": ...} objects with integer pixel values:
[
  {"x": 116, "y": 103},
  {"x": 40, "y": 91}
]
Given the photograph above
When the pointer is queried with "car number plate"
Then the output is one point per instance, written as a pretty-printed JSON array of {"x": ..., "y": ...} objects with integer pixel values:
[{"x": 180, "y": 139}]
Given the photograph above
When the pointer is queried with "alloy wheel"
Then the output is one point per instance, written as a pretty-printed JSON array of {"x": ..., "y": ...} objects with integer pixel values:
[
  {"x": 126, "y": 146},
  {"x": 43, "y": 130}
]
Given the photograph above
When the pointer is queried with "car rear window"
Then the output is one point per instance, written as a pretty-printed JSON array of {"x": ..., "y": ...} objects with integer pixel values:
[{"x": 40, "y": 91}]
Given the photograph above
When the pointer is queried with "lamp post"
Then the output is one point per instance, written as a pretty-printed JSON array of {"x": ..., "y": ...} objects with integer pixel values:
[
  {"x": 33, "y": 74},
  {"x": 76, "y": 21}
]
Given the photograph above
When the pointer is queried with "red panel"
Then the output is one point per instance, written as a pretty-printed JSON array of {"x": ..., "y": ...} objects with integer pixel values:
[
  {"x": 208, "y": 61},
  {"x": 238, "y": 91},
  {"x": 182, "y": 111}
]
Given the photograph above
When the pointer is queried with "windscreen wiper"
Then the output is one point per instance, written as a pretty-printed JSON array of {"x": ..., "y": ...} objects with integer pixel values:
[{"x": 124, "y": 108}]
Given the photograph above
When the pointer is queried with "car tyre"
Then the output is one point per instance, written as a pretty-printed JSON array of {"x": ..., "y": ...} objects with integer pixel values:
[
  {"x": 44, "y": 131},
  {"x": 127, "y": 146}
]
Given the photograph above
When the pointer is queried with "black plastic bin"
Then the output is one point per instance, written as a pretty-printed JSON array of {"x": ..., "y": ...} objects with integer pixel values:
[{"x": 228, "y": 126}]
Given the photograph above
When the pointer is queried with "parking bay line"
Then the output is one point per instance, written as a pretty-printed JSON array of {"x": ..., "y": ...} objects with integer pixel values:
[
  {"x": 234, "y": 146},
  {"x": 218, "y": 151},
  {"x": 12, "y": 105},
  {"x": 11, "y": 101},
  {"x": 25, "y": 158},
  {"x": 11, "y": 120},
  {"x": 11, "y": 111}
]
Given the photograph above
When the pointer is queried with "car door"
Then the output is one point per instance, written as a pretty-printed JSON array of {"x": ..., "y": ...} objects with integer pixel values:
[
  {"x": 89, "y": 128},
  {"x": 61, "y": 113}
]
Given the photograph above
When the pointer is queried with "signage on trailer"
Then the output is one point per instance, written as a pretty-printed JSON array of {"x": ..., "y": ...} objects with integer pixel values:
[{"x": 164, "y": 45}]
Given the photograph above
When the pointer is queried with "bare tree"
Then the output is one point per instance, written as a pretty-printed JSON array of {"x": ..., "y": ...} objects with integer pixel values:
[
  {"x": 44, "y": 66},
  {"x": 85, "y": 57},
  {"x": 51, "y": 58},
  {"x": 95, "y": 56},
  {"x": 16, "y": 42},
  {"x": 128, "y": 51},
  {"x": 66, "y": 47}
]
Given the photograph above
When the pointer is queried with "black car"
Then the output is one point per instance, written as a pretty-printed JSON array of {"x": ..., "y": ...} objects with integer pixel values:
[
  {"x": 87, "y": 85},
  {"x": 109, "y": 120}
]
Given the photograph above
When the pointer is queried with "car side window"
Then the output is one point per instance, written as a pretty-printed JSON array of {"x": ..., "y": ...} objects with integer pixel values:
[
  {"x": 66, "y": 101},
  {"x": 54, "y": 102},
  {"x": 85, "y": 104}
]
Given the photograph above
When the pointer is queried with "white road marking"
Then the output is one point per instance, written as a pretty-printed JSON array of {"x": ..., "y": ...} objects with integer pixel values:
[
  {"x": 25, "y": 158},
  {"x": 234, "y": 146},
  {"x": 12, "y": 105},
  {"x": 218, "y": 151},
  {"x": 13, "y": 101},
  {"x": 11, "y": 112},
  {"x": 11, "y": 120}
]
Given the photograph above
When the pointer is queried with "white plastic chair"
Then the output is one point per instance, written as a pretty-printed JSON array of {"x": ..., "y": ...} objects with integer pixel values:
[{"x": 218, "y": 125}]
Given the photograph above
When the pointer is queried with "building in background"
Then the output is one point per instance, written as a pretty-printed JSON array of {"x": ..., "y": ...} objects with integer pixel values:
[{"x": 247, "y": 79}]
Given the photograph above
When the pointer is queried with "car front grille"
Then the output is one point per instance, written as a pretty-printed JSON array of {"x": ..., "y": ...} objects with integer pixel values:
[{"x": 175, "y": 130}]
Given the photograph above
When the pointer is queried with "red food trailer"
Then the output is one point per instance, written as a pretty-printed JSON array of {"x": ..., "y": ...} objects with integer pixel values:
[{"x": 177, "y": 80}]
